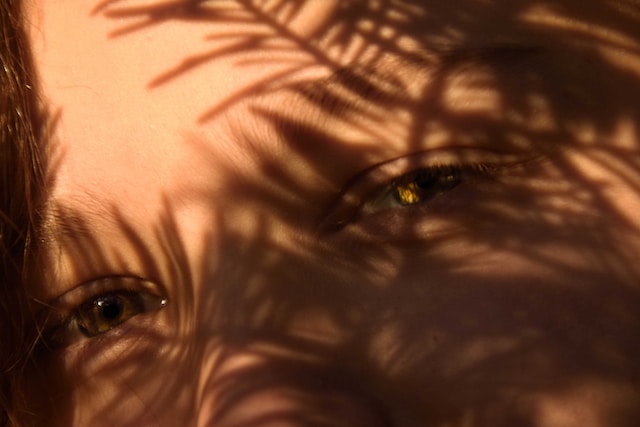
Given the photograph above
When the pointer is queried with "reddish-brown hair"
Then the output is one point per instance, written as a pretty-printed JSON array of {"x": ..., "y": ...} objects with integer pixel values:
[{"x": 20, "y": 185}]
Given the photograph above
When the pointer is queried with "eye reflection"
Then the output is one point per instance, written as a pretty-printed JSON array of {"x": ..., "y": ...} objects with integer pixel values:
[
  {"x": 420, "y": 186},
  {"x": 424, "y": 184}
]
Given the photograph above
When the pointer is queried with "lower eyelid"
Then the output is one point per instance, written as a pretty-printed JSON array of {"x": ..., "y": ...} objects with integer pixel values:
[
  {"x": 75, "y": 345},
  {"x": 441, "y": 218},
  {"x": 86, "y": 356}
]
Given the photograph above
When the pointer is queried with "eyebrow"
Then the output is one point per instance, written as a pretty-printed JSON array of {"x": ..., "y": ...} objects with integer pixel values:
[
  {"x": 359, "y": 82},
  {"x": 359, "y": 89},
  {"x": 496, "y": 54},
  {"x": 63, "y": 224}
]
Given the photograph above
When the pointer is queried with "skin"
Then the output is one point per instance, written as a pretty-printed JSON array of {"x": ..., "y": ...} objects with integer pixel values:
[{"x": 231, "y": 158}]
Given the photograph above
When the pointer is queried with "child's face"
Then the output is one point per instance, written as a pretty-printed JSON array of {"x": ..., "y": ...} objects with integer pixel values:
[{"x": 341, "y": 213}]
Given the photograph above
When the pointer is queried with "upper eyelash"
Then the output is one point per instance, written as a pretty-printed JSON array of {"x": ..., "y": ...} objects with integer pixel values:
[{"x": 442, "y": 169}]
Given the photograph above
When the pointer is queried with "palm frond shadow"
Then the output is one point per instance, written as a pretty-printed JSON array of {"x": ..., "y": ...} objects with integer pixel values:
[{"x": 397, "y": 338}]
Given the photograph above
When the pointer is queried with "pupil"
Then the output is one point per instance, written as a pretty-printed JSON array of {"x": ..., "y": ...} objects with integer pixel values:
[
  {"x": 426, "y": 183},
  {"x": 111, "y": 307},
  {"x": 444, "y": 182}
]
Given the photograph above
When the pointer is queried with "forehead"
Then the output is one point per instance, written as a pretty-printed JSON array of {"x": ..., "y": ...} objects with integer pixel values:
[
  {"x": 141, "y": 91},
  {"x": 136, "y": 51},
  {"x": 130, "y": 78}
]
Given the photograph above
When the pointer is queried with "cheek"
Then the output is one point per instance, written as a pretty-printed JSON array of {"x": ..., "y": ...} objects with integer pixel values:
[
  {"x": 267, "y": 384},
  {"x": 477, "y": 326},
  {"x": 123, "y": 381}
]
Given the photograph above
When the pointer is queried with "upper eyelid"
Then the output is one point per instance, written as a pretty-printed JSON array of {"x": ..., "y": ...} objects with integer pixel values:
[
  {"x": 70, "y": 300},
  {"x": 383, "y": 173}
]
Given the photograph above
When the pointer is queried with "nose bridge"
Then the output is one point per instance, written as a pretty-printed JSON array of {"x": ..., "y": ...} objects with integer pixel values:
[
  {"x": 241, "y": 402},
  {"x": 270, "y": 317},
  {"x": 223, "y": 379}
]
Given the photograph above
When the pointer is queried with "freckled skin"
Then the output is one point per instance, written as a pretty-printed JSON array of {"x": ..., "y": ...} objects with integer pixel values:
[{"x": 226, "y": 155}]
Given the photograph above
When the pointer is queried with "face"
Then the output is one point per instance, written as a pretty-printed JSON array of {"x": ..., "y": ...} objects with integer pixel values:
[{"x": 281, "y": 213}]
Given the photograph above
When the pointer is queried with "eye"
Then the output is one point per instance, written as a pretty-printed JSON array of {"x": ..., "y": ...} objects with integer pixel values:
[
  {"x": 418, "y": 186},
  {"x": 425, "y": 184},
  {"x": 96, "y": 307},
  {"x": 105, "y": 312},
  {"x": 421, "y": 186},
  {"x": 419, "y": 180}
]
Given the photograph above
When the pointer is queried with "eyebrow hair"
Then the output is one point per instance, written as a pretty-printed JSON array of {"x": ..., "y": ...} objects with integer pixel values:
[
  {"x": 356, "y": 89},
  {"x": 63, "y": 224},
  {"x": 495, "y": 54},
  {"x": 359, "y": 80}
]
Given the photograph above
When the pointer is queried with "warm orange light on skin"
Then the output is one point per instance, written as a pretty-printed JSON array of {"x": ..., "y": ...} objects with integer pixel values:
[{"x": 252, "y": 160}]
